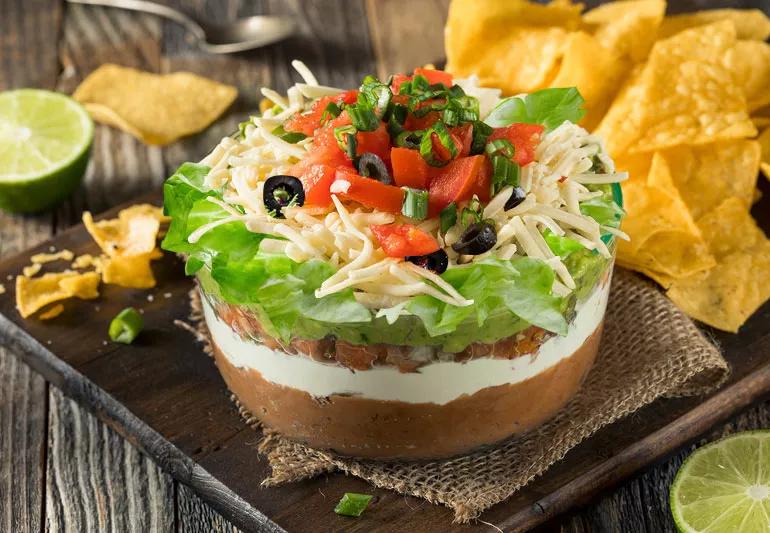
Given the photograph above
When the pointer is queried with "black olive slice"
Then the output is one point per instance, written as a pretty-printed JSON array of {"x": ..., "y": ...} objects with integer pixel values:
[
  {"x": 517, "y": 196},
  {"x": 280, "y": 191},
  {"x": 372, "y": 166},
  {"x": 437, "y": 261},
  {"x": 477, "y": 239}
]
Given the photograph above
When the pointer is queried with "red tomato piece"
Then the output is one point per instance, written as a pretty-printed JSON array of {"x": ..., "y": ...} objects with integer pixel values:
[
  {"x": 376, "y": 142},
  {"x": 463, "y": 134},
  {"x": 398, "y": 79},
  {"x": 424, "y": 122},
  {"x": 401, "y": 240},
  {"x": 484, "y": 181},
  {"x": 409, "y": 168},
  {"x": 435, "y": 76},
  {"x": 369, "y": 192},
  {"x": 309, "y": 121},
  {"x": 457, "y": 181},
  {"x": 316, "y": 181},
  {"x": 523, "y": 137}
]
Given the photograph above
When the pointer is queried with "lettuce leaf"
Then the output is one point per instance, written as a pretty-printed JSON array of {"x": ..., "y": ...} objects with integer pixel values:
[
  {"x": 549, "y": 107},
  {"x": 508, "y": 295}
]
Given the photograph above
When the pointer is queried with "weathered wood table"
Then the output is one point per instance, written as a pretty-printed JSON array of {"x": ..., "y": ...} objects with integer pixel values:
[{"x": 60, "y": 468}]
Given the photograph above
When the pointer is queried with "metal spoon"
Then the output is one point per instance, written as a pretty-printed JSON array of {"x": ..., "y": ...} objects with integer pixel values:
[{"x": 242, "y": 34}]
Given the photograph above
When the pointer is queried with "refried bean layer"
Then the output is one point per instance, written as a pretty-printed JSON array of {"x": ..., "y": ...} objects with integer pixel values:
[{"x": 383, "y": 429}]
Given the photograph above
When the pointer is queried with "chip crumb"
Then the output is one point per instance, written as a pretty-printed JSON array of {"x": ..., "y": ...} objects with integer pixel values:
[
  {"x": 66, "y": 255},
  {"x": 54, "y": 311},
  {"x": 167, "y": 295},
  {"x": 31, "y": 270},
  {"x": 52, "y": 249},
  {"x": 84, "y": 261},
  {"x": 105, "y": 343},
  {"x": 9, "y": 277},
  {"x": 2, "y": 288},
  {"x": 49, "y": 342},
  {"x": 150, "y": 297}
]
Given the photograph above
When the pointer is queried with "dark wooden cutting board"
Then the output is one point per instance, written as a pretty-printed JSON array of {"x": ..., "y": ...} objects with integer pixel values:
[{"x": 165, "y": 395}]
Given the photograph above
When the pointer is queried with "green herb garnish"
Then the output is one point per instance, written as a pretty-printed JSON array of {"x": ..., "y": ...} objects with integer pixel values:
[
  {"x": 448, "y": 217},
  {"x": 353, "y": 504},
  {"x": 549, "y": 107},
  {"x": 415, "y": 203},
  {"x": 126, "y": 326}
]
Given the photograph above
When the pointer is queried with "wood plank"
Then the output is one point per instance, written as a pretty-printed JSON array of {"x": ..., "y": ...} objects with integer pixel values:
[
  {"x": 22, "y": 445},
  {"x": 195, "y": 516},
  {"x": 97, "y": 481}
]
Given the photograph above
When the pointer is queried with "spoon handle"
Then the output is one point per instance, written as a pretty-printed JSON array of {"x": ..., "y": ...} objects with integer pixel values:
[{"x": 152, "y": 8}]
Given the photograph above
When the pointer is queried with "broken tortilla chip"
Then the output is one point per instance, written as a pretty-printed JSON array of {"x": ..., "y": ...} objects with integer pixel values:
[
  {"x": 53, "y": 312},
  {"x": 134, "y": 232},
  {"x": 684, "y": 95},
  {"x": 764, "y": 143},
  {"x": 486, "y": 37},
  {"x": 131, "y": 271},
  {"x": 32, "y": 294},
  {"x": 726, "y": 295},
  {"x": 749, "y": 23},
  {"x": 706, "y": 175},
  {"x": 750, "y": 63},
  {"x": 627, "y": 28},
  {"x": 157, "y": 109}
]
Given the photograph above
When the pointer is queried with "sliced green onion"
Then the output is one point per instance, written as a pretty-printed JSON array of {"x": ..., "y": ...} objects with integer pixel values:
[
  {"x": 363, "y": 117},
  {"x": 346, "y": 139},
  {"x": 450, "y": 117},
  {"x": 468, "y": 217},
  {"x": 481, "y": 133},
  {"x": 292, "y": 137},
  {"x": 415, "y": 203},
  {"x": 504, "y": 173},
  {"x": 426, "y": 145},
  {"x": 377, "y": 94},
  {"x": 353, "y": 504},
  {"x": 242, "y": 128},
  {"x": 126, "y": 326},
  {"x": 332, "y": 111},
  {"x": 500, "y": 146},
  {"x": 396, "y": 116},
  {"x": 410, "y": 139},
  {"x": 448, "y": 217}
]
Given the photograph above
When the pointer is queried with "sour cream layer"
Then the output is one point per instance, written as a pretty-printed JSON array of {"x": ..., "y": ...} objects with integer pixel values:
[{"x": 439, "y": 382}]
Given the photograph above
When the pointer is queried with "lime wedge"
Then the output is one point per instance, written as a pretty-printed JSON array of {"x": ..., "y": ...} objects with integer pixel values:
[
  {"x": 45, "y": 139},
  {"x": 725, "y": 486}
]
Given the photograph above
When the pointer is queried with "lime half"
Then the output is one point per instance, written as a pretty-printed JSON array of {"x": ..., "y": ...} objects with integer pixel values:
[
  {"x": 725, "y": 486},
  {"x": 45, "y": 139}
]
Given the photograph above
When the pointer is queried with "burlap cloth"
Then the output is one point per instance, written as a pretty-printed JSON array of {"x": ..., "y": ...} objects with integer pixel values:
[{"x": 650, "y": 349}]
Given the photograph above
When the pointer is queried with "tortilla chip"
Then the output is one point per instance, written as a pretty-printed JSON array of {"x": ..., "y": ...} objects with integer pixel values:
[
  {"x": 157, "y": 109},
  {"x": 32, "y": 294},
  {"x": 706, "y": 175},
  {"x": 134, "y": 232},
  {"x": 627, "y": 28},
  {"x": 30, "y": 270},
  {"x": 684, "y": 95},
  {"x": 84, "y": 261},
  {"x": 133, "y": 272},
  {"x": 653, "y": 206},
  {"x": 750, "y": 63},
  {"x": 53, "y": 312},
  {"x": 750, "y": 24},
  {"x": 584, "y": 56},
  {"x": 488, "y": 37},
  {"x": 760, "y": 122},
  {"x": 764, "y": 143},
  {"x": 725, "y": 296}
]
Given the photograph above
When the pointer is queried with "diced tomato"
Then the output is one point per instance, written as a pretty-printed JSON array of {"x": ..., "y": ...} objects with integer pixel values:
[
  {"x": 432, "y": 75},
  {"x": 398, "y": 79},
  {"x": 424, "y": 122},
  {"x": 409, "y": 168},
  {"x": 435, "y": 76},
  {"x": 316, "y": 181},
  {"x": 376, "y": 142},
  {"x": 370, "y": 192},
  {"x": 523, "y": 137},
  {"x": 401, "y": 240},
  {"x": 457, "y": 181},
  {"x": 484, "y": 181},
  {"x": 321, "y": 155},
  {"x": 309, "y": 121},
  {"x": 463, "y": 134}
]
